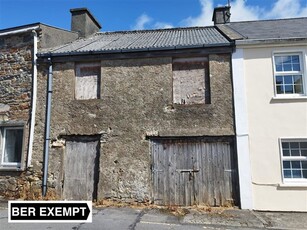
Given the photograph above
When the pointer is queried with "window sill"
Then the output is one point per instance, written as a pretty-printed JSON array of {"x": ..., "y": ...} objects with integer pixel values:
[
  {"x": 12, "y": 169},
  {"x": 293, "y": 185},
  {"x": 298, "y": 98}
]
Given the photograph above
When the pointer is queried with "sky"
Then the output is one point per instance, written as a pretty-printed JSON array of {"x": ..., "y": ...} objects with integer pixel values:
[{"x": 118, "y": 15}]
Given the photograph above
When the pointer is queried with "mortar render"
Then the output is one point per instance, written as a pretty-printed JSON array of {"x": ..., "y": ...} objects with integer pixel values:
[{"x": 136, "y": 100}]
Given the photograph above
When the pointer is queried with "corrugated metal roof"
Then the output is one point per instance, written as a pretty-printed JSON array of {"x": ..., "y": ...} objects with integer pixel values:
[
  {"x": 271, "y": 29},
  {"x": 144, "y": 40}
]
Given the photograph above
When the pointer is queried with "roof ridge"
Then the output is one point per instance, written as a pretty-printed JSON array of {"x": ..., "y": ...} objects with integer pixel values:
[
  {"x": 266, "y": 20},
  {"x": 156, "y": 30}
]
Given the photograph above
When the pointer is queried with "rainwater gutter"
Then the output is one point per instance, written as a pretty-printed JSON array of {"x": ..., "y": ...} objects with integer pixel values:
[
  {"x": 34, "y": 98},
  {"x": 47, "y": 128}
]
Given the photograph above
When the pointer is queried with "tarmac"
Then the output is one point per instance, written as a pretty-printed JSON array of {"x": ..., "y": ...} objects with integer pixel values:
[{"x": 208, "y": 218}]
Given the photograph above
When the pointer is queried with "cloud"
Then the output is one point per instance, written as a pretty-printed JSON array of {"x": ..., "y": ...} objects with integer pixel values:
[
  {"x": 163, "y": 25},
  {"x": 146, "y": 22},
  {"x": 141, "y": 22},
  {"x": 205, "y": 16},
  {"x": 287, "y": 9},
  {"x": 242, "y": 11}
]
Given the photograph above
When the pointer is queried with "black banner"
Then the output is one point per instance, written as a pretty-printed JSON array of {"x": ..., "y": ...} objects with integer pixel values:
[{"x": 49, "y": 211}]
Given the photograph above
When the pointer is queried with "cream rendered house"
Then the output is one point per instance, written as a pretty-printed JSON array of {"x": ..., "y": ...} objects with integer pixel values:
[{"x": 270, "y": 87}]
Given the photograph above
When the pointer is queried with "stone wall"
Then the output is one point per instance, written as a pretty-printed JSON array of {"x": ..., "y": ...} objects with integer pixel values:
[
  {"x": 15, "y": 98},
  {"x": 136, "y": 102}
]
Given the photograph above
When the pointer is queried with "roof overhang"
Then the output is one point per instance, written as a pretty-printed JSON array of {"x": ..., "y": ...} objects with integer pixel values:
[
  {"x": 139, "y": 53},
  {"x": 18, "y": 30},
  {"x": 271, "y": 42}
]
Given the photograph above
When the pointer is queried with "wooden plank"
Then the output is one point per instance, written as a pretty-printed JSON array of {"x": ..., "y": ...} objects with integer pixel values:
[
  {"x": 174, "y": 180},
  {"x": 227, "y": 174},
  {"x": 166, "y": 173}
]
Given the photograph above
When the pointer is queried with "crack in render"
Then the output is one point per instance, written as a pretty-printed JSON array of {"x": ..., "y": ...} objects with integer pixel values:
[{"x": 137, "y": 220}]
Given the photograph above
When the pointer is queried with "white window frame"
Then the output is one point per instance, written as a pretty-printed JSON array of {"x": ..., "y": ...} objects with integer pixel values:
[
  {"x": 302, "y": 72},
  {"x": 297, "y": 181},
  {"x": 13, "y": 165}
]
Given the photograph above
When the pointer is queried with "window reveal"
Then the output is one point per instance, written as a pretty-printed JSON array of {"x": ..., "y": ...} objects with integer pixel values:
[
  {"x": 87, "y": 84},
  {"x": 191, "y": 81}
]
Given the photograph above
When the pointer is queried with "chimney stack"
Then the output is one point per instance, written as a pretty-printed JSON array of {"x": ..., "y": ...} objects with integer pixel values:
[
  {"x": 221, "y": 15},
  {"x": 83, "y": 22}
]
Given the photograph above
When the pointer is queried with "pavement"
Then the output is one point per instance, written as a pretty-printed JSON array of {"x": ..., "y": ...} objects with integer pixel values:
[{"x": 179, "y": 219}]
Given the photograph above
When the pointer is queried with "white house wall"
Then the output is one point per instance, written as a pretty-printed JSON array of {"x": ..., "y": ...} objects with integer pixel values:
[{"x": 269, "y": 120}]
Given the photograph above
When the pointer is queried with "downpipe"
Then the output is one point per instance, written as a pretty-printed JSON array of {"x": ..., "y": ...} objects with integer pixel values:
[
  {"x": 47, "y": 129},
  {"x": 34, "y": 98}
]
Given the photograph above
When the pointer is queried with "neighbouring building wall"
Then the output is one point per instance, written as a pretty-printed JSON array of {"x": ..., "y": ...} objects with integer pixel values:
[
  {"x": 52, "y": 36},
  {"x": 136, "y": 102},
  {"x": 15, "y": 101},
  {"x": 270, "y": 119}
]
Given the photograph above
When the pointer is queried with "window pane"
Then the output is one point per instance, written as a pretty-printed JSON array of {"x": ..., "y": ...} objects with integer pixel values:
[
  {"x": 305, "y": 174},
  {"x": 297, "y": 79},
  {"x": 279, "y": 80},
  {"x": 288, "y": 80},
  {"x": 13, "y": 146},
  {"x": 286, "y": 59},
  {"x": 296, "y": 164},
  {"x": 288, "y": 89},
  {"x": 278, "y": 68},
  {"x": 298, "y": 89},
  {"x": 295, "y": 153},
  {"x": 304, "y": 165},
  {"x": 295, "y": 59},
  {"x": 296, "y": 67},
  {"x": 285, "y": 145},
  {"x": 278, "y": 60},
  {"x": 287, "y": 173},
  {"x": 303, "y": 144},
  {"x": 304, "y": 153},
  {"x": 286, "y": 153},
  {"x": 286, "y": 164},
  {"x": 280, "y": 89},
  {"x": 287, "y": 67},
  {"x": 297, "y": 173},
  {"x": 294, "y": 145}
]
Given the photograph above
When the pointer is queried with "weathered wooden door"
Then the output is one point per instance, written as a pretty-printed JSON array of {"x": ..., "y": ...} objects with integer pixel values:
[
  {"x": 194, "y": 171},
  {"x": 81, "y": 165}
]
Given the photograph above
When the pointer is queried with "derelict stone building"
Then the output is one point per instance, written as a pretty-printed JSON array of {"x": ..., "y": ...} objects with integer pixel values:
[{"x": 142, "y": 115}]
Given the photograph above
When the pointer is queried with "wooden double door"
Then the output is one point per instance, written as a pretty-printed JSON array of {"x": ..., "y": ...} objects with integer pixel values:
[{"x": 194, "y": 171}]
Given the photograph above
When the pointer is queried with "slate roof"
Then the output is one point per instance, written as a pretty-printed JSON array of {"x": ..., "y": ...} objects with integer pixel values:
[
  {"x": 143, "y": 40},
  {"x": 271, "y": 29}
]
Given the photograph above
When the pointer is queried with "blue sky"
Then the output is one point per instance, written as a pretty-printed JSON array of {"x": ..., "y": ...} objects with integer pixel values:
[{"x": 117, "y": 15}]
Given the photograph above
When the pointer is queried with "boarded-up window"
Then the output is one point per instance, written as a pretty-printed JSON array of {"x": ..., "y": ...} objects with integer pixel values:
[
  {"x": 191, "y": 81},
  {"x": 87, "y": 84}
]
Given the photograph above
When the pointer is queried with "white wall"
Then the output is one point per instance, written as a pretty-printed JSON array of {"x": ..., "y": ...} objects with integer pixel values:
[
  {"x": 268, "y": 120},
  {"x": 241, "y": 118}
]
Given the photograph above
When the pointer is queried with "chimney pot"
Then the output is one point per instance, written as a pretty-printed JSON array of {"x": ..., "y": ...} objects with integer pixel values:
[
  {"x": 221, "y": 15},
  {"x": 83, "y": 22}
]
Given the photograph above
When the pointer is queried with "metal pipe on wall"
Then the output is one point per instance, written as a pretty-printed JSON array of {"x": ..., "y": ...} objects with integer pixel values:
[
  {"x": 47, "y": 128},
  {"x": 34, "y": 98}
]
